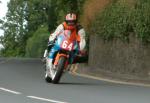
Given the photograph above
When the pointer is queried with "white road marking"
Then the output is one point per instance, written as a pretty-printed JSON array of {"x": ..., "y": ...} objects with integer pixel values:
[
  {"x": 74, "y": 72},
  {"x": 44, "y": 99},
  {"x": 10, "y": 91},
  {"x": 33, "y": 97}
]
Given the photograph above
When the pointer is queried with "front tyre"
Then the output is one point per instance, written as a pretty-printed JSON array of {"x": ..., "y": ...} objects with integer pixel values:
[
  {"x": 59, "y": 70},
  {"x": 47, "y": 78}
]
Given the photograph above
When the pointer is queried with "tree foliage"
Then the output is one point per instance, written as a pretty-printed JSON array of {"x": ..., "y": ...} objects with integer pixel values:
[
  {"x": 119, "y": 20},
  {"x": 141, "y": 20},
  {"x": 14, "y": 29},
  {"x": 25, "y": 20},
  {"x": 37, "y": 43}
]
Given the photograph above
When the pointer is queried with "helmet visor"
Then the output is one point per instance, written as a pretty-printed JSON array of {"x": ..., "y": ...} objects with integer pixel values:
[{"x": 71, "y": 22}]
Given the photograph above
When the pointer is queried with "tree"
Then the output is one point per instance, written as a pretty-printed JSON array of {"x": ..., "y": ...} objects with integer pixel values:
[
  {"x": 25, "y": 17},
  {"x": 37, "y": 43},
  {"x": 14, "y": 29}
]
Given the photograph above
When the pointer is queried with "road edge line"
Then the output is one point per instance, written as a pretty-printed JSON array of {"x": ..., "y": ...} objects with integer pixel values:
[{"x": 74, "y": 72}]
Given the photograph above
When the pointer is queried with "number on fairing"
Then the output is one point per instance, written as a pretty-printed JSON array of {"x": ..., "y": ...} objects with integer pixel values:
[
  {"x": 66, "y": 45},
  {"x": 70, "y": 46}
]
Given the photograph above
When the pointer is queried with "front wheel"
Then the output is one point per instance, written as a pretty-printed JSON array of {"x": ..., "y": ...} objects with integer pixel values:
[
  {"x": 48, "y": 79},
  {"x": 59, "y": 70}
]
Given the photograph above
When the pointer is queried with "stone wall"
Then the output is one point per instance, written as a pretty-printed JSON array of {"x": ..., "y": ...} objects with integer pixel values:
[{"x": 120, "y": 57}]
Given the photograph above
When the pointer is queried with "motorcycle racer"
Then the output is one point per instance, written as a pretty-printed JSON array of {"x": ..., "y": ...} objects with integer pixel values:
[{"x": 76, "y": 32}]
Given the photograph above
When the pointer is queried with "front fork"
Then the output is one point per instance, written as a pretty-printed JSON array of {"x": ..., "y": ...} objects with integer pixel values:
[
  {"x": 45, "y": 53},
  {"x": 57, "y": 59}
]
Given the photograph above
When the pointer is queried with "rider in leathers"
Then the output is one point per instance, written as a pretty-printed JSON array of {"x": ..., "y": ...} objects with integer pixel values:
[{"x": 70, "y": 24}]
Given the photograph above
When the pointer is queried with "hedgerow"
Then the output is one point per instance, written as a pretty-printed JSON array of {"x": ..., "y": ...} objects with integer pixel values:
[{"x": 119, "y": 20}]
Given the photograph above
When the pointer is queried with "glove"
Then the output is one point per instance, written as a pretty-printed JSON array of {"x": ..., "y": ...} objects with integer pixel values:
[{"x": 50, "y": 43}]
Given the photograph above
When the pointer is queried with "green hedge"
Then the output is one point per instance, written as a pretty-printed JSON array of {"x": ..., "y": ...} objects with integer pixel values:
[
  {"x": 141, "y": 20},
  {"x": 37, "y": 43},
  {"x": 118, "y": 20}
]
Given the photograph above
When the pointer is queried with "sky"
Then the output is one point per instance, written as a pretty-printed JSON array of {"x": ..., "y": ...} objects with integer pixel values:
[{"x": 3, "y": 10}]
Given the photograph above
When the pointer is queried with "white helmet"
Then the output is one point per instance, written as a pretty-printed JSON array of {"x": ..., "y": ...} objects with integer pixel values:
[{"x": 71, "y": 19}]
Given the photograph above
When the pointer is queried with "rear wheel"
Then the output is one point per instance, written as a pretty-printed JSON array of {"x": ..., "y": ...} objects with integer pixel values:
[{"x": 59, "y": 70}]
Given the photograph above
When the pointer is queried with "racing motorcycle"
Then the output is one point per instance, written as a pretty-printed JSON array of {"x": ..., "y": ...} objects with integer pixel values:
[{"x": 66, "y": 52}]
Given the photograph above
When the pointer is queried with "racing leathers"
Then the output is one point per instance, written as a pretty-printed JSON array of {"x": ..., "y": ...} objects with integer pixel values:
[{"x": 80, "y": 32}]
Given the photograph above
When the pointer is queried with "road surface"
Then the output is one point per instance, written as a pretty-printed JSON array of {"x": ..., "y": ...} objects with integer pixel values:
[{"x": 22, "y": 81}]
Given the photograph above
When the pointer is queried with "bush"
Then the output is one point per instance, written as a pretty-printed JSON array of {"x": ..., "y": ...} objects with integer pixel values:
[
  {"x": 37, "y": 43},
  {"x": 113, "y": 22},
  {"x": 118, "y": 20},
  {"x": 141, "y": 20}
]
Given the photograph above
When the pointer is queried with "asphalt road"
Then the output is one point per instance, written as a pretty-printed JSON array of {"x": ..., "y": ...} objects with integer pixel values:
[{"x": 22, "y": 81}]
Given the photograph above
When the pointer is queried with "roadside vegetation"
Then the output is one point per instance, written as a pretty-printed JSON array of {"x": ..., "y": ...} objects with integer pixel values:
[
  {"x": 28, "y": 24},
  {"x": 122, "y": 18}
]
